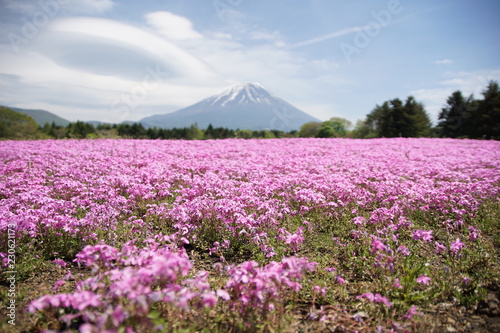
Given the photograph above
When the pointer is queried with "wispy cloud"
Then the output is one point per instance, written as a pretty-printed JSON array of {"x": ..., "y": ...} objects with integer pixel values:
[
  {"x": 124, "y": 37},
  {"x": 473, "y": 82},
  {"x": 443, "y": 62},
  {"x": 172, "y": 26},
  {"x": 319, "y": 39},
  {"x": 115, "y": 61}
]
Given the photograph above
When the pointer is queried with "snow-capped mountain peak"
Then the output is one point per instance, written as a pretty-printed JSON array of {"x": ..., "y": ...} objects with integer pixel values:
[
  {"x": 246, "y": 105},
  {"x": 243, "y": 93}
]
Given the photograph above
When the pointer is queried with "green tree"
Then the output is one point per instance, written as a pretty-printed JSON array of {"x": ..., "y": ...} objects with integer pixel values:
[
  {"x": 80, "y": 129},
  {"x": 310, "y": 129},
  {"x": 209, "y": 132},
  {"x": 15, "y": 125},
  {"x": 326, "y": 131},
  {"x": 486, "y": 120},
  {"x": 420, "y": 121},
  {"x": 334, "y": 128},
  {"x": 397, "y": 119},
  {"x": 364, "y": 130},
  {"x": 455, "y": 117},
  {"x": 194, "y": 133},
  {"x": 137, "y": 131}
]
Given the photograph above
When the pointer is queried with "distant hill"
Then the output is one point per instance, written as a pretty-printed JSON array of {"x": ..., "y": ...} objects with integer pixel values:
[
  {"x": 42, "y": 117},
  {"x": 242, "y": 106}
]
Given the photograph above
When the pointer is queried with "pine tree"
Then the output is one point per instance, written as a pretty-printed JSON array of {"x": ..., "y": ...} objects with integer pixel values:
[
  {"x": 486, "y": 122},
  {"x": 455, "y": 118}
]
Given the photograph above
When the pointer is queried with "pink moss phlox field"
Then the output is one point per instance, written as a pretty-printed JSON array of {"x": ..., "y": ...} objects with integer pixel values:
[{"x": 224, "y": 195}]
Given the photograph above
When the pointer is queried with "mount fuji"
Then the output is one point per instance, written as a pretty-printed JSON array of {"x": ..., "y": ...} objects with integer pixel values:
[{"x": 241, "y": 106}]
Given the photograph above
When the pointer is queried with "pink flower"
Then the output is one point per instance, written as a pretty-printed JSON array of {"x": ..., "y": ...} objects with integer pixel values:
[
  {"x": 340, "y": 280},
  {"x": 410, "y": 313},
  {"x": 368, "y": 296},
  {"x": 118, "y": 316},
  {"x": 425, "y": 235},
  {"x": 359, "y": 220},
  {"x": 404, "y": 250},
  {"x": 209, "y": 300},
  {"x": 473, "y": 234},
  {"x": 88, "y": 328},
  {"x": 376, "y": 298},
  {"x": 440, "y": 247},
  {"x": 58, "y": 284},
  {"x": 456, "y": 246},
  {"x": 382, "y": 299},
  {"x": 223, "y": 294},
  {"x": 377, "y": 245},
  {"x": 59, "y": 262},
  {"x": 397, "y": 284},
  {"x": 319, "y": 290},
  {"x": 423, "y": 279}
]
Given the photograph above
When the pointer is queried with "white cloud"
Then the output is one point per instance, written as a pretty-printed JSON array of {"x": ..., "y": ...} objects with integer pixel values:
[
  {"x": 468, "y": 83},
  {"x": 64, "y": 71},
  {"x": 264, "y": 35},
  {"x": 83, "y": 68},
  {"x": 181, "y": 64},
  {"x": 172, "y": 26},
  {"x": 339, "y": 33},
  {"x": 443, "y": 62}
]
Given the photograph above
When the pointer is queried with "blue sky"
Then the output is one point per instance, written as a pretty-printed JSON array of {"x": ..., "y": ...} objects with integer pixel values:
[{"x": 124, "y": 60}]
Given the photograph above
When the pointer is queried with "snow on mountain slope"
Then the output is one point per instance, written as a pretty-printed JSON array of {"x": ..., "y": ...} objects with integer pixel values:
[{"x": 241, "y": 106}]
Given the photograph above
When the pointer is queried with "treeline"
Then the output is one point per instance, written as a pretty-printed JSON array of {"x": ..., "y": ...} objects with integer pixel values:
[
  {"x": 83, "y": 130},
  {"x": 461, "y": 117}
]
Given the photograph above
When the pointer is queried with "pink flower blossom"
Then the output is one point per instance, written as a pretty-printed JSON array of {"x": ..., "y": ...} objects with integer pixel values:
[
  {"x": 440, "y": 247},
  {"x": 410, "y": 313},
  {"x": 59, "y": 262},
  {"x": 456, "y": 246},
  {"x": 58, "y": 284},
  {"x": 473, "y": 233},
  {"x": 404, "y": 250},
  {"x": 423, "y": 279},
  {"x": 377, "y": 245},
  {"x": 223, "y": 294},
  {"x": 340, "y": 280},
  {"x": 425, "y": 235},
  {"x": 375, "y": 298}
]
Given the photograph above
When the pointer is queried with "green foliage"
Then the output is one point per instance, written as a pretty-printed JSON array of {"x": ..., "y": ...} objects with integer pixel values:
[
  {"x": 454, "y": 119},
  {"x": 486, "y": 119},
  {"x": 334, "y": 128},
  {"x": 79, "y": 130},
  {"x": 470, "y": 118},
  {"x": 17, "y": 126},
  {"x": 363, "y": 130},
  {"x": 310, "y": 129},
  {"x": 396, "y": 119}
]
